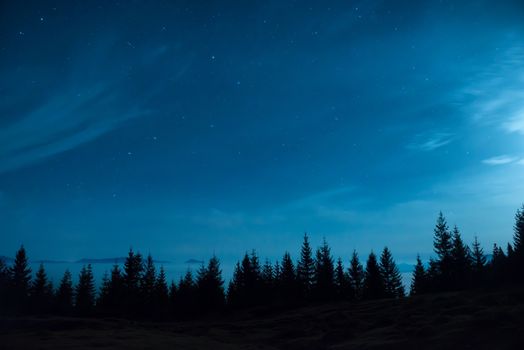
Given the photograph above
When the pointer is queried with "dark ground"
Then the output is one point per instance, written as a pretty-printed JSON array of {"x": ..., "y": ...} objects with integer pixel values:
[{"x": 467, "y": 320}]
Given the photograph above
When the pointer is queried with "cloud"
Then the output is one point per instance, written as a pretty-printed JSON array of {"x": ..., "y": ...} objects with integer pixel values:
[
  {"x": 500, "y": 160},
  {"x": 496, "y": 96},
  {"x": 431, "y": 142},
  {"x": 61, "y": 124},
  {"x": 94, "y": 99}
]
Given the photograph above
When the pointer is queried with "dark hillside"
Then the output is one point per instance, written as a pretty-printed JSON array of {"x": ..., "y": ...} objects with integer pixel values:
[{"x": 466, "y": 320}]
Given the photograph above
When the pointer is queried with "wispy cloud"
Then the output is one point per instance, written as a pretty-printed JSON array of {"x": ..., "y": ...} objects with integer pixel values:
[
  {"x": 496, "y": 94},
  {"x": 430, "y": 142},
  {"x": 500, "y": 160},
  {"x": 83, "y": 108}
]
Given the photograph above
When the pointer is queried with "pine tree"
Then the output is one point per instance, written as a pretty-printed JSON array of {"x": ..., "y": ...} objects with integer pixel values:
[
  {"x": 478, "y": 257},
  {"x": 4, "y": 283},
  {"x": 341, "y": 280},
  {"x": 419, "y": 280},
  {"x": 210, "y": 286},
  {"x": 287, "y": 283},
  {"x": 112, "y": 292},
  {"x": 373, "y": 283},
  {"x": 268, "y": 282},
  {"x": 147, "y": 285},
  {"x": 356, "y": 277},
  {"x": 186, "y": 295},
  {"x": 461, "y": 260},
  {"x": 173, "y": 297},
  {"x": 324, "y": 286},
  {"x": 235, "y": 287},
  {"x": 41, "y": 292},
  {"x": 65, "y": 294},
  {"x": 478, "y": 262},
  {"x": 391, "y": 278},
  {"x": 306, "y": 267},
  {"x": 85, "y": 291},
  {"x": 133, "y": 269},
  {"x": 103, "y": 296},
  {"x": 518, "y": 235},
  {"x": 161, "y": 300},
  {"x": 443, "y": 245},
  {"x": 20, "y": 276}
]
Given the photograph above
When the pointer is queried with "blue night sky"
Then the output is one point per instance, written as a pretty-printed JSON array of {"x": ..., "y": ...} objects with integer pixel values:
[{"x": 184, "y": 128}]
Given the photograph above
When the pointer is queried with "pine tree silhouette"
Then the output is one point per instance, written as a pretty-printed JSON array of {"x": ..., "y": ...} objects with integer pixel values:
[
  {"x": 133, "y": 270},
  {"x": 185, "y": 305},
  {"x": 461, "y": 261},
  {"x": 112, "y": 293},
  {"x": 356, "y": 277},
  {"x": 443, "y": 245},
  {"x": 65, "y": 294},
  {"x": 287, "y": 282},
  {"x": 478, "y": 262},
  {"x": 4, "y": 283},
  {"x": 518, "y": 235},
  {"x": 391, "y": 277},
  {"x": 210, "y": 286},
  {"x": 173, "y": 297},
  {"x": 268, "y": 282},
  {"x": 20, "y": 276},
  {"x": 419, "y": 280},
  {"x": 85, "y": 291},
  {"x": 306, "y": 268},
  {"x": 41, "y": 292},
  {"x": 341, "y": 281},
  {"x": 161, "y": 300},
  {"x": 324, "y": 287},
  {"x": 498, "y": 265},
  {"x": 373, "y": 283},
  {"x": 147, "y": 285}
]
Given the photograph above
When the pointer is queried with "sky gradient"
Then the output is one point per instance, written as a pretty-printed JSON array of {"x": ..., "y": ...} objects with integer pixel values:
[{"x": 184, "y": 128}]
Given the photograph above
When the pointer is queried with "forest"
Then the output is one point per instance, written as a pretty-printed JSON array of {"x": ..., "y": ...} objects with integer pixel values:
[{"x": 139, "y": 290}]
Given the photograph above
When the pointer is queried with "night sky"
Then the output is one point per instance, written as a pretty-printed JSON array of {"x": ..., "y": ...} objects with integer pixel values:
[{"x": 187, "y": 128}]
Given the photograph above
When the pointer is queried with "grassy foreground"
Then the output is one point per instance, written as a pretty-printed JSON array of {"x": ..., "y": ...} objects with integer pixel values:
[{"x": 465, "y": 320}]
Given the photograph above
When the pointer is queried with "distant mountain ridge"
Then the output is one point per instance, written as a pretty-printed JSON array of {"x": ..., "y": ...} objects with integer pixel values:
[{"x": 117, "y": 260}]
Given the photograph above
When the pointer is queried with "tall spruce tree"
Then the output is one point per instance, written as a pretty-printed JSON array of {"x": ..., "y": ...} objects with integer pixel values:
[
  {"x": 210, "y": 286},
  {"x": 102, "y": 300},
  {"x": 111, "y": 296},
  {"x": 19, "y": 284},
  {"x": 85, "y": 291},
  {"x": 478, "y": 262},
  {"x": 4, "y": 283},
  {"x": 306, "y": 267},
  {"x": 443, "y": 245},
  {"x": 461, "y": 261},
  {"x": 235, "y": 287},
  {"x": 186, "y": 296},
  {"x": 324, "y": 287},
  {"x": 373, "y": 283},
  {"x": 268, "y": 282},
  {"x": 287, "y": 282},
  {"x": 419, "y": 281},
  {"x": 147, "y": 285},
  {"x": 518, "y": 234},
  {"x": 478, "y": 257},
  {"x": 161, "y": 300},
  {"x": 391, "y": 278},
  {"x": 132, "y": 275},
  {"x": 65, "y": 294},
  {"x": 41, "y": 292},
  {"x": 341, "y": 281},
  {"x": 173, "y": 297},
  {"x": 356, "y": 277}
]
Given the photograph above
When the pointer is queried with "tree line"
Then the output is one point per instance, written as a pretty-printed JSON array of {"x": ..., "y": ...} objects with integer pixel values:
[{"x": 138, "y": 289}]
